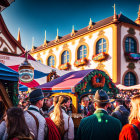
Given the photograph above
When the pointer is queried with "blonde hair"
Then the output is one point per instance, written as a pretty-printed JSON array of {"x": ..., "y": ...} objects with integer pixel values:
[
  {"x": 58, "y": 116},
  {"x": 135, "y": 110}
]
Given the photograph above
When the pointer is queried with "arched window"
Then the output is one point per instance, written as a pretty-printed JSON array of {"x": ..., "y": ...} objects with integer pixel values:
[
  {"x": 129, "y": 79},
  {"x": 101, "y": 46},
  {"x": 51, "y": 61},
  {"x": 65, "y": 57},
  {"x": 130, "y": 45},
  {"x": 82, "y": 52}
]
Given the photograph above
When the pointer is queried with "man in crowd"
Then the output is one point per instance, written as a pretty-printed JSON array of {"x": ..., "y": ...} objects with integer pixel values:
[
  {"x": 35, "y": 121},
  {"x": 48, "y": 105},
  {"x": 120, "y": 111},
  {"x": 99, "y": 126},
  {"x": 84, "y": 107}
]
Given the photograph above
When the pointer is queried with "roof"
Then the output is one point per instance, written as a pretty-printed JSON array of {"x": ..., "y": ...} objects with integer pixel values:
[
  {"x": 7, "y": 73},
  {"x": 121, "y": 18},
  {"x": 9, "y": 35},
  {"x": 67, "y": 81},
  {"x": 40, "y": 70}
]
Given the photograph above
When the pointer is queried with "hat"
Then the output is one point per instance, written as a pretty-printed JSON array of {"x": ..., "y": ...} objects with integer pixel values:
[
  {"x": 86, "y": 99},
  {"x": 36, "y": 95},
  {"x": 101, "y": 96}
]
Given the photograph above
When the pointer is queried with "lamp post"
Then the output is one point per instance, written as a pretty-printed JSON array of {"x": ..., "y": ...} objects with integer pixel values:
[{"x": 26, "y": 71}]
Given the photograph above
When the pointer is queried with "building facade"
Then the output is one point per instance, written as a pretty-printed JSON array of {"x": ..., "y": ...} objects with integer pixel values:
[
  {"x": 111, "y": 45},
  {"x": 8, "y": 44}
]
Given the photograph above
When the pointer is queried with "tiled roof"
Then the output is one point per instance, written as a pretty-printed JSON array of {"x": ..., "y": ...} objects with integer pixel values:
[{"x": 121, "y": 18}]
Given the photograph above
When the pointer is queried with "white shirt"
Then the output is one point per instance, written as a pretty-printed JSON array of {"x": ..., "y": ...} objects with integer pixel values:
[
  {"x": 32, "y": 123},
  {"x": 70, "y": 134}
]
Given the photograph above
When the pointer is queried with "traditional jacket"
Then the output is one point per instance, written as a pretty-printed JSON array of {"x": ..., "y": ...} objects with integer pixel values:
[
  {"x": 32, "y": 123},
  {"x": 99, "y": 126},
  {"x": 128, "y": 132}
]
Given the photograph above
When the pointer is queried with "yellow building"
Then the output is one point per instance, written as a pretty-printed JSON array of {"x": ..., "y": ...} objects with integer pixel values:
[{"x": 111, "y": 45}]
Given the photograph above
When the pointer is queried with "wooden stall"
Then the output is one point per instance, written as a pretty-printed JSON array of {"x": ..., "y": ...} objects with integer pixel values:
[
  {"x": 8, "y": 86},
  {"x": 79, "y": 83}
]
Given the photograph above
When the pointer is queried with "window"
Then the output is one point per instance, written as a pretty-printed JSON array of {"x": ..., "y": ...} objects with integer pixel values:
[
  {"x": 65, "y": 57},
  {"x": 82, "y": 52},
  {"x": 129, "y": 79},
  {"x": 51, "y": 61},
  {"x": 101, "y": 46},
  {"x": 130, "y": 45}
]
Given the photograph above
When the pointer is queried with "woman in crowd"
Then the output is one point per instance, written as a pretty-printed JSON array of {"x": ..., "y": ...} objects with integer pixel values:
[
  {"x": 63, "y": 122},
  {"x": 66, "y": 104},
  {"x": 16, "y": 126},
  {"x": 131, "y": 131}
]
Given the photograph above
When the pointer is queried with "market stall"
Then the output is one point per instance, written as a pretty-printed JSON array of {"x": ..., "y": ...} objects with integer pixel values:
[
  {"x": 79, "y": 83},
  {"x": 8, "y": 85}
]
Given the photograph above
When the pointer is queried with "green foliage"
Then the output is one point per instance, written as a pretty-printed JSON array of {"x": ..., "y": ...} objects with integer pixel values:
[{"x": 85, "y": 84}]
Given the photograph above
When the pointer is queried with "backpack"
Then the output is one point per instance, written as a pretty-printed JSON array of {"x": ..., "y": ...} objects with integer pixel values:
[{"x": 53, "y": 133}]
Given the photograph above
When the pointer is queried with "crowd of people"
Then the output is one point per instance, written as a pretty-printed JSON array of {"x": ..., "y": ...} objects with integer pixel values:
[{"x": 50, "y": 118}]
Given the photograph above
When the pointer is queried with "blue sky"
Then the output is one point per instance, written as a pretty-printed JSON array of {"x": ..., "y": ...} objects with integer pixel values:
[{"x": 33, "y": 17}]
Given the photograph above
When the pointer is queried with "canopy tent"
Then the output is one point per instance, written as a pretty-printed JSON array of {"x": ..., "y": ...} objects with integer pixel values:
[
  {"x": 7, "y": 73},
  {"x": 40, "y": 70},
  {"x": 80, "y": 82},
  {"x": 23, "y": 88},
  {"x": 8, "y": 85},
  {"x": 77, "y": 84}
]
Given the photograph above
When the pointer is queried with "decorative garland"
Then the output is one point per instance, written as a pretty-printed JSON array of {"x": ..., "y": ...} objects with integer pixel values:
[
  {"x": 80, "y": 88},
  {"x": 52, "y": 75},
  {"x": 94, "y": 79}
]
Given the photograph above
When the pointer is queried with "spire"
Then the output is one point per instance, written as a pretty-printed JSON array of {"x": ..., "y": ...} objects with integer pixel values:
[
  {"x": 32, "y": 43},
  {"x": 57, "y": 37},
  {"x": 45, "y": 41},
  {"x": 115, "y": 15},
  {"x": 18, "y": 37},
  {"x": 138, "y": 19},
  {"x": 90, "y": 24},
  {"x": 73, "y": 31}
]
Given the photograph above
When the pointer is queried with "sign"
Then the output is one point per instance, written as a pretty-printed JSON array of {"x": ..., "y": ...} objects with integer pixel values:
[
  {"x": 26, "y": 71},
  {"x": 26, "y": 75}
]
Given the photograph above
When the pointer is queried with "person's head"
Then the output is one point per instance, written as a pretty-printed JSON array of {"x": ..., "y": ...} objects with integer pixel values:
[
  {"x": 37, "y": 98},
  {"x": 48, "y": 102},
  {"x": 127, "y": 102},
  {"x": 118, "y": 101},
  {"x": 66, "y": 101},
  {"x": 101, "y": 99},
  {"x": 135, "y": 108},
  {"x": 15, "y": 121},
  {"x": 85, "y": 101},
  {"x": 24, "y": 104}
]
